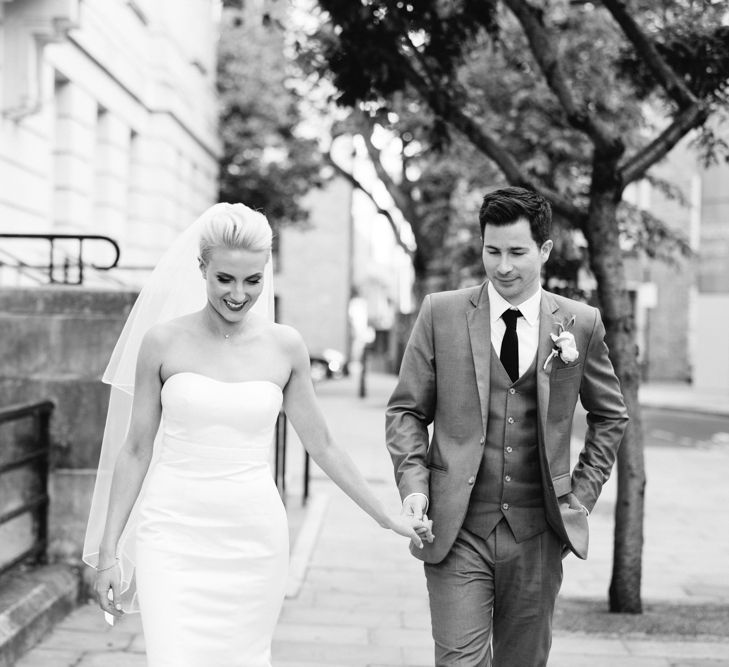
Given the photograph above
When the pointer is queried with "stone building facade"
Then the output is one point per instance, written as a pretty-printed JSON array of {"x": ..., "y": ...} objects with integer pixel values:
[
  {"x": 108, "y": 122},
  {"x": 682, "y": 308},
  {"x": 109, "y": 126},
  {"x": 314, "y": 270}
]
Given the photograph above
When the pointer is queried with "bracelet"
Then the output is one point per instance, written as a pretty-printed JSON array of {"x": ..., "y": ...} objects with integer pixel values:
[{"x": 104, "y": 569}]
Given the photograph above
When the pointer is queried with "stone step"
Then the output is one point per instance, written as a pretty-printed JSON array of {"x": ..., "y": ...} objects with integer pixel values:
[{"x": 31, "y": 603}]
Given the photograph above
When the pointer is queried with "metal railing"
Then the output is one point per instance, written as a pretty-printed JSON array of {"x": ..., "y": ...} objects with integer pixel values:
[
  {"x": 279, "y": 473},
  {"x": 39, "y": 459},
  {"x": 71, "y": 269},
  {"x": 21, "y": 268}
]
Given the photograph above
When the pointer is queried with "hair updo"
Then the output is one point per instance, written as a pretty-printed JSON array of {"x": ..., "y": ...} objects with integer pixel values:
[{"x": 235, "y": 226}]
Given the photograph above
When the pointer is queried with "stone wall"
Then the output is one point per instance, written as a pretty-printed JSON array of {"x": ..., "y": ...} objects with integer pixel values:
[{"x": 56, "y": 343}]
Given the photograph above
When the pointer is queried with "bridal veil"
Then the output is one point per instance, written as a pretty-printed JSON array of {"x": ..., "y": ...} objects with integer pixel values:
[{"x": 174, "y": 288}]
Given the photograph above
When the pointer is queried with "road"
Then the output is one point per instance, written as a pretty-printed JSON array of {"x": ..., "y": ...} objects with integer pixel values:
[{"x": 673, "y": 428}]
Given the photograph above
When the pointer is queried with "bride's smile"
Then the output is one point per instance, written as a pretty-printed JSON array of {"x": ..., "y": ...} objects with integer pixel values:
[{"x": 234, "y": 281}]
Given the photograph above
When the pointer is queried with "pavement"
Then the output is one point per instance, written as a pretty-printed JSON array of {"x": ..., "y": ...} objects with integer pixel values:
[
  {"x": 685, "y": 398},
  {"x": 356, "y": 598}
]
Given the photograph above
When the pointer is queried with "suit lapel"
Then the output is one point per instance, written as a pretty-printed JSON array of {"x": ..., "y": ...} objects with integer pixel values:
[
  {"x": 547, "y": 315},
  {"x": 479, "y": 330}
]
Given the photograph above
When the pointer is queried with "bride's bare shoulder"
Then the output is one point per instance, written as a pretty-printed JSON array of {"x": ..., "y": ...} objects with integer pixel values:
[
  {"x": 288, "y": 338},
  {"x": 164, "y": 333}
]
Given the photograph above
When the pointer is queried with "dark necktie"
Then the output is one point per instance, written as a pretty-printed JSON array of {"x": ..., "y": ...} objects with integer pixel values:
[{"x": 510, "y": 345}]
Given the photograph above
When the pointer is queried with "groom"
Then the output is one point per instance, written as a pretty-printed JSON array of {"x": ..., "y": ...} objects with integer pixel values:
[{"x": 497, "y": 369}]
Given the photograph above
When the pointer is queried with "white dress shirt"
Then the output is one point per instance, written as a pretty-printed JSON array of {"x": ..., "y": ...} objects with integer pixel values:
[{"x": 527, "y": 327}]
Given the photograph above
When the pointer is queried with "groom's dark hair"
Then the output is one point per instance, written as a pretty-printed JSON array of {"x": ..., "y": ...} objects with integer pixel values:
[{"x": 507, "y": 205}]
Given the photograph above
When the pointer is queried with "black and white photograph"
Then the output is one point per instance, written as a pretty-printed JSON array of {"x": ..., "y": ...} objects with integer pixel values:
[{"x": 364, "y": 333}]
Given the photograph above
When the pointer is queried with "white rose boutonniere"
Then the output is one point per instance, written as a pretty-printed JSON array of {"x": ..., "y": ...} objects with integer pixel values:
[{"x": 564, "y": 344}]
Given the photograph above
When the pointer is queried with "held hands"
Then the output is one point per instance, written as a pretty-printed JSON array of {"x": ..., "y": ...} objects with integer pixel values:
[
  {"x": 107, "y": 587},
  {"x": 408, "y": 526},
  {"x": 413, "y": 508}
]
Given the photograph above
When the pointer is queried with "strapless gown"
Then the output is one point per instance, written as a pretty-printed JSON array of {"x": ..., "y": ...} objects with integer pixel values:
[{"x": 212, "y": 538}]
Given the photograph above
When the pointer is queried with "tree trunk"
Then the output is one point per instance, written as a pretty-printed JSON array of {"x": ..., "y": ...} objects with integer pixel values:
[
  {"x": 606, "y": 262},
  {"x": 425, "y": 282},
  {"x": 429, "y": 277}
]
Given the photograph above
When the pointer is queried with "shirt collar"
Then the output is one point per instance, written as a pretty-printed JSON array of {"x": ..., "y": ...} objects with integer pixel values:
[{"x": 529, "y": 308}]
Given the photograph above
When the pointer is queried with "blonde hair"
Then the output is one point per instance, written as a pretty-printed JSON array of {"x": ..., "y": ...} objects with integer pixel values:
[{"x": 234, "y": 226}]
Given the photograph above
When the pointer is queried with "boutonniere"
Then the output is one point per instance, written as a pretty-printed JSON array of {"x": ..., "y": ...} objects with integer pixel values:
[{"x": 564, "y": 344}]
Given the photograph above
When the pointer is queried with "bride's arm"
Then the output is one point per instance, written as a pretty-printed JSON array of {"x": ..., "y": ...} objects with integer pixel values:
[
  {"x": 132, "y": 462},
  {"x": 307, "y": 419}
]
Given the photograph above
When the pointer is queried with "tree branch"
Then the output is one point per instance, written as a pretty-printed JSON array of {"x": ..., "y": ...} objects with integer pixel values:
[
  {"x": 635, "y": 167},
  {"x": 443, "y": 107},
  {"x": 402, "y": 201},
  {"x": 382, "y": 211},
  {"x": 669, "y": 80},
  {"x": 542, "y": 48}
]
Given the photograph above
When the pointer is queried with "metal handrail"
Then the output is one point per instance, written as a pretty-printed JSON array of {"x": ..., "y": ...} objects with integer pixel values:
[
  {"x": 279, "y": 455},
  {"x": 67, "y": 263},
  {"x": 279, "y": 473},
  {"x": 22, "y": 268},
  {"x": 40, "y": 457}
]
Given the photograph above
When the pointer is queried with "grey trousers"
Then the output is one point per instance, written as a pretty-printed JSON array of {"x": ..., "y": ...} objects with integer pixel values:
[{"x": 492, "y": 600}]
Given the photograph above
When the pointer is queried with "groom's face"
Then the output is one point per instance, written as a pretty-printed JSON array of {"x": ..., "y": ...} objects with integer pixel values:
[{"x": 513, "y": 260}]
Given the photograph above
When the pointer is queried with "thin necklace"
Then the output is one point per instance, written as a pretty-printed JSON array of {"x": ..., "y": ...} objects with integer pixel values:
[
  {"x": 230, "y": 334},
  {"x": 226, "y": 336}
]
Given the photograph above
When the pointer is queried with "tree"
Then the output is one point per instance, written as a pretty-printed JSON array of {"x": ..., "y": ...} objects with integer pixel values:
[
  {"x": 266, "y": 162},
  {"x": 573, "y": 99},
  {"x": 428, "y": 186}
]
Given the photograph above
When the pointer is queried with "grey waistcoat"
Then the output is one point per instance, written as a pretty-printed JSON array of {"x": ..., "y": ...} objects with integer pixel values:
[{"x": 509, "y": 482}]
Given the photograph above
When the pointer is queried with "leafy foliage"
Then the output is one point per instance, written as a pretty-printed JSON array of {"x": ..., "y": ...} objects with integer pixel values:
[
  {"x": 695, "y": 45},
  {"x": 378, "y": 32},
  {"x": 265, "y": 163},
  {"x": 475, "y": 58},
  {"x": 643, "y": 232}
]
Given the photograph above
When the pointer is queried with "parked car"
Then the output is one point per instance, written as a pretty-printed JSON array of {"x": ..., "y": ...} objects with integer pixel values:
[{"x": 328, "y": 364}]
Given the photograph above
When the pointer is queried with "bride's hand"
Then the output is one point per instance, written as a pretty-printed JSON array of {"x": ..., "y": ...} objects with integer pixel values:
[
  {"x": 109, "y": 580},
  {"x": 409, "y": 526},
  {"x": 426, "y": 529}
]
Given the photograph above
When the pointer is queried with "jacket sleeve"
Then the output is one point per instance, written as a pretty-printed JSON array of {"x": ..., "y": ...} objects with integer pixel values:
[
  {"x": 607, "y": 418},
  {"x": 411, "y": 408}
]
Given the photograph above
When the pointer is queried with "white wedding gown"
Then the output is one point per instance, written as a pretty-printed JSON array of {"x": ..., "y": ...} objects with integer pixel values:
[{"x": 212, "y": 540}]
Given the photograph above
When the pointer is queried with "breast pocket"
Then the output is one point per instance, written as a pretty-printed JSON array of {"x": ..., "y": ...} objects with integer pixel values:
[{"x": 566, "y": 373}]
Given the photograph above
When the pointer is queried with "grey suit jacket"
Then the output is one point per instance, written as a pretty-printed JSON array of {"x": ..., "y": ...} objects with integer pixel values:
[{"x": 444, "y": 381}]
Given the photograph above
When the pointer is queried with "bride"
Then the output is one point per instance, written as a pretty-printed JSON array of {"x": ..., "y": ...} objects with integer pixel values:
[{"x": 186, "y": 521}]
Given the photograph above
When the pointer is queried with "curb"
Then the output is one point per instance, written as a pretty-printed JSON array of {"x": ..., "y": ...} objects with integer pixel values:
[
  {"x": 678, "y": 406},
  {"x": 305, "y": 543},
  {"x": 31, "y": 603}
]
